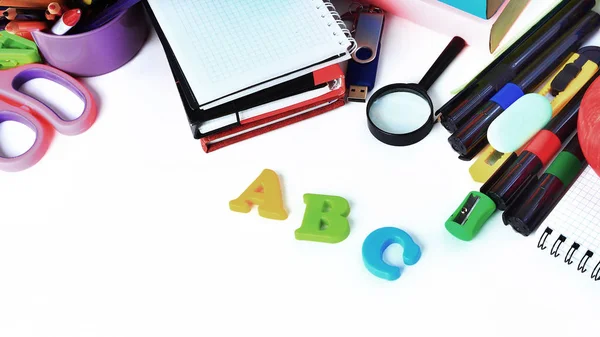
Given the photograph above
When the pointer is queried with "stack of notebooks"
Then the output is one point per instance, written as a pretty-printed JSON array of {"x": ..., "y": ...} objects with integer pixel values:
[{"x": 244, "y": 68}]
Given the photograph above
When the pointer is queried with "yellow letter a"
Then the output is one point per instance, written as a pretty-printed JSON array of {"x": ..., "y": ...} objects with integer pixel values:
[{"x": 265, "y": 192}]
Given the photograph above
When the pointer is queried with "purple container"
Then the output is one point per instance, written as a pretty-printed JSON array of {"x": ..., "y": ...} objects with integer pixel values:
[{"x": 99, "y": 51}]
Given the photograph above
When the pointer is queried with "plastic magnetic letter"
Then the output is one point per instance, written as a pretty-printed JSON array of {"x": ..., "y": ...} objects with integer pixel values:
[
  {"x": 265, "y": 192},
  {"x": 325, "y": 219},
  {"x": 378, "y": 241}
]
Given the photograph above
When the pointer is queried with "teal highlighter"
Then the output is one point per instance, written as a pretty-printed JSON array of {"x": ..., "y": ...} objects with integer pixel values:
[{"x": 519, "y": 123}]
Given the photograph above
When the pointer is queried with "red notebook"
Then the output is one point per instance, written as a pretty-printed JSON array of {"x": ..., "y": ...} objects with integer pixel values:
[{"x": 329, "y": 93}]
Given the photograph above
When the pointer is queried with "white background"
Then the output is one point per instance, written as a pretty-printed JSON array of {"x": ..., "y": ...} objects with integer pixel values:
[{"x": 126, "y": 231}]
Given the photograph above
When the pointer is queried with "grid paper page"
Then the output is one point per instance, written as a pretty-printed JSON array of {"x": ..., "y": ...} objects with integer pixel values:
[
  {"x": 224, "y": 46},
  {"x": 577, "y": 218}
]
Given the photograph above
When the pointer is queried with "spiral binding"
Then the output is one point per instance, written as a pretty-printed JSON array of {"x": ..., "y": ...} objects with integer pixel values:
[
  {"x": 569, "y": 256},
  {"x": 328, "y": 6},
  {"x": 568, "y": 259},
  {"x": 584, "y": 261},
  {"x": 542, "y": 242},
  {"x": 556, "y": 246}
]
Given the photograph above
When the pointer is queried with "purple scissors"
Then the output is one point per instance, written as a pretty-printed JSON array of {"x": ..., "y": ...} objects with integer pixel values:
[{"x": 19, "y": 107}]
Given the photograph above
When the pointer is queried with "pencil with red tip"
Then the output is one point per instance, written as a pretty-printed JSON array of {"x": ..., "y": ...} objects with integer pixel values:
[
  {"x": 67, "y": 21},
  {"x": 49, "y": 16},
  {"x": 55, "y": 8},
  {"x": 23, "y": 14},
  {"x": 24, "y": 28}
]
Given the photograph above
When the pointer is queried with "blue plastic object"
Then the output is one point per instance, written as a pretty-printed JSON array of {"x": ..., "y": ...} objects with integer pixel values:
[
  {"x": 358, "y": 74},
  {"x": 378, "y": 241},
  {"x": 509, "y": 94}
]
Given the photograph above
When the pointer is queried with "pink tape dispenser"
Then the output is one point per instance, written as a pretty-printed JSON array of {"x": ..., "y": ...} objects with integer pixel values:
[{"x": 19, "y": 107}]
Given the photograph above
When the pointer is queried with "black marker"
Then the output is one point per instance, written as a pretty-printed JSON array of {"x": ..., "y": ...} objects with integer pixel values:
[
  {"x": 506, "y": 67},
  {"x": 518, "y": 173},
  {"x": 468, "y": 140},
  {"x": 534, "y": 205}
]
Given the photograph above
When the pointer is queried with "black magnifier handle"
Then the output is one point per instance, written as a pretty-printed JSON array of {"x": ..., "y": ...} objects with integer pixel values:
[{"x": 443, "y": 61}]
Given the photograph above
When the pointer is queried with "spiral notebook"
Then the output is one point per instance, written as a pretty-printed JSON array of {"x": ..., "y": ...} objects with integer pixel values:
[
  {"x": 572, "y": 231},
  {"x": 226, "y": 50}
]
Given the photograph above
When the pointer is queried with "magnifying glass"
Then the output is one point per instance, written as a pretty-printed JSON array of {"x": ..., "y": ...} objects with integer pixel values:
[{"x": 402, "y": 114}]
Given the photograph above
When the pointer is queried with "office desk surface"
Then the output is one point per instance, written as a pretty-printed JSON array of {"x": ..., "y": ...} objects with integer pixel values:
[{"x": 126, "y": 230}]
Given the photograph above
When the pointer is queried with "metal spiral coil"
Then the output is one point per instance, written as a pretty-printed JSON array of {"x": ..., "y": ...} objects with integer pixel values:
[
  {"x": 572, "y": 250},
  {"x": 338, "y": 20},
  {"x": 556, "y": 246},
  {"x": 596, "y": 273},
  {"x": 568, "y": 259},
  {"x": 584, "y": 260},
  {"x": 542, "y": 243}
]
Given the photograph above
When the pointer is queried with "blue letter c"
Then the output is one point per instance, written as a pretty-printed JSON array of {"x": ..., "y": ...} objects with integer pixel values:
[{"x": 378, "y": 241}]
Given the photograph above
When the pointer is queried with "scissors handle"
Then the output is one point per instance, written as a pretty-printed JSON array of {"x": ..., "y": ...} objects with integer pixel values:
[
  {"x": 11, "y": 80},
  {"x": 43, "y": 137}
]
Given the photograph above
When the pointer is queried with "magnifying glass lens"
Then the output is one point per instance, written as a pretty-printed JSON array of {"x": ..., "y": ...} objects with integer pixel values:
[{"x": 400, "y": 112}]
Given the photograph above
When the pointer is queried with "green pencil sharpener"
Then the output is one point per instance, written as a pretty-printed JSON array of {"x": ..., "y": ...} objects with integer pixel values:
[{"x": 466, "y": 222}]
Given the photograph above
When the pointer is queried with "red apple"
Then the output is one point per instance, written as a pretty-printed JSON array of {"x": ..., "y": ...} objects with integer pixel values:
[{"x": 588, "y": 126}]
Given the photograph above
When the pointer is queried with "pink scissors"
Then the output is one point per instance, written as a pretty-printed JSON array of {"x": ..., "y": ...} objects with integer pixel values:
[{"x": 18, "y": 107}]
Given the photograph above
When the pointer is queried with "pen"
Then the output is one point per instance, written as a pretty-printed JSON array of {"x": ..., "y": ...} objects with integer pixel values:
[
  {"x": 534, "y": 205},
  {"x": 500, "y": 72},
  {"x": 469, "y": 139}
]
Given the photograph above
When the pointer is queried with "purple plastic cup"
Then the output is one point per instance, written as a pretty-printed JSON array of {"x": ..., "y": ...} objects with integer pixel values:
[{"x": 99, "y": 51}]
